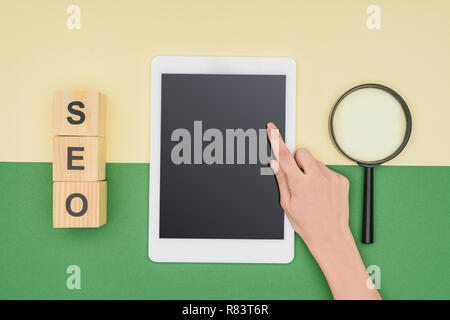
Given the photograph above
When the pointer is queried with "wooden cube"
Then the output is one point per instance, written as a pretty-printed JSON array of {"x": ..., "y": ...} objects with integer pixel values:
[
  {"x": 79, "y": 204},
  {"x": 79, "y": 113},
  {"x": 78, "y": 158}
]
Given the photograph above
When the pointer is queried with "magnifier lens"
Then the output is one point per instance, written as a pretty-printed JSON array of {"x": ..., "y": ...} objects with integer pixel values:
[{"x": 369, "y": 125}]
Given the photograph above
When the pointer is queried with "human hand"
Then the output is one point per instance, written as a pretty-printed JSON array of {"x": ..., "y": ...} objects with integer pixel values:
[{"x": 314, "y": 198}]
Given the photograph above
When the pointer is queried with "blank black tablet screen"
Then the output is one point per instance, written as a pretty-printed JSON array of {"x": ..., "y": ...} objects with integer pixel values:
[{"x": 222, "y": 200}]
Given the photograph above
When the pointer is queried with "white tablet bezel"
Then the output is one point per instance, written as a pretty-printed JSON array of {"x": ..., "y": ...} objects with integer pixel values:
[{"x": 216, "y": 250}]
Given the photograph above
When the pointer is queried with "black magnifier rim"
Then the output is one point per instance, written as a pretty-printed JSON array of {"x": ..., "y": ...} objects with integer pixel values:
[{"x": 405, "y": 111}]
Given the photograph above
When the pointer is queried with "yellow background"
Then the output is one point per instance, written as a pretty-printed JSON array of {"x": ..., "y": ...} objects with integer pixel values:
[{"x": 112, "y": 52}]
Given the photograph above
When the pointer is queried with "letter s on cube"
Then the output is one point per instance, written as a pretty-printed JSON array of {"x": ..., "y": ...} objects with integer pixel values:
[{"x": 79, "y": 113}]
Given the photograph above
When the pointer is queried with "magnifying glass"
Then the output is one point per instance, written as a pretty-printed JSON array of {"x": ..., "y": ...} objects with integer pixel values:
[{"x": 370, "y": 124}]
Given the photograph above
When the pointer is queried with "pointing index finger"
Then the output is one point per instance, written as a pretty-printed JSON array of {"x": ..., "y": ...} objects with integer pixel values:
[{"x": 282, "y": 153}]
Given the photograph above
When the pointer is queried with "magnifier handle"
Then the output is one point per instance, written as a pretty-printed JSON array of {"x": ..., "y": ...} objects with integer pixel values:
[{"x": 367, "y": 231}]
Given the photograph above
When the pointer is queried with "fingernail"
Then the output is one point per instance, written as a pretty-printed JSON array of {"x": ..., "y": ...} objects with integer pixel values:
[{"x": 274, "y": 166}]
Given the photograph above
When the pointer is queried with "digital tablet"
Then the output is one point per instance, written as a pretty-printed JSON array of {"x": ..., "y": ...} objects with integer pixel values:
[{"x": 213, "y": 197}]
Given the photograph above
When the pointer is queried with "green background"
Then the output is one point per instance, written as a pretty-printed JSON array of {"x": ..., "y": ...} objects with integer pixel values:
[{"x": 412, "y": 242}]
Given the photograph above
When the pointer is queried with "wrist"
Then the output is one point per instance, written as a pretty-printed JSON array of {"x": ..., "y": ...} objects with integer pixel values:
[
  {"x": 341, "y": 263},
  {"x": 340, "y": 241}
]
